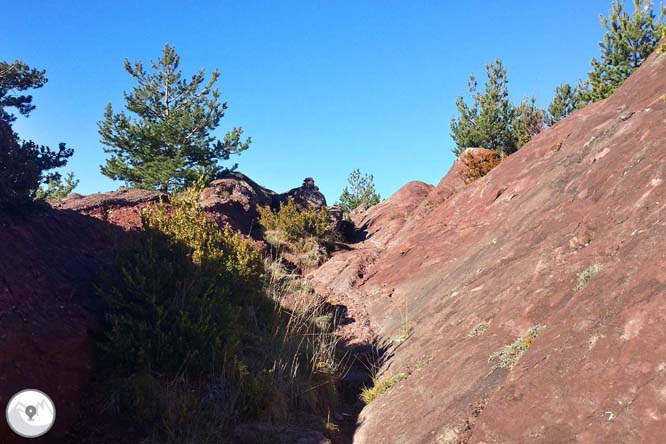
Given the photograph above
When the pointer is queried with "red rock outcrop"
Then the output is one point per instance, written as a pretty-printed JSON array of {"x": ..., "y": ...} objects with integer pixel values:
[
  {"x": 568, "y": 234},
  {"x": 121, "y": 208},
  {"x": 234, "y": 200},
  {"x": 306, "y": 196}
]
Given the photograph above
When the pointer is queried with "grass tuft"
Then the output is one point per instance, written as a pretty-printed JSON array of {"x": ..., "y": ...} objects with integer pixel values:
[
  {"x": 406, "y": 330},
  {"x": 509, "y": 355},
  {"x": 586, "y": 275},
  {"x": 381, "y": 385}
]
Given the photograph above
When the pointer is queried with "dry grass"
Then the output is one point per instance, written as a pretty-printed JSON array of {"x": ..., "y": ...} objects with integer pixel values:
[
  {"x": 406, "y": 327},
  {"x": 381, "y": 385},
  {"x": 406, "y": 330},
  {"x": 423, "y": 362},
  {"x": 184, "y": 412},
  {"x": 509, "y": 355},
  {"x": 307, "y": 363},
  {"x": 384, "y": 383}
]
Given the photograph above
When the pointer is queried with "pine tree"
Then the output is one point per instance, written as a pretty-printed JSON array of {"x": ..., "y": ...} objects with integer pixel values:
[
  {"x": 529, "y": 121},
  {"x": 24, "y": 165},
  {"x": 628, "y": 41},
  {"x": 15, "y": 78},
  {"x": 567, "y": 100},
  {"x": 57, "y": 188},
  {"x": 166, "y": 142},
  {"x": 360, "y": 192},
  {"x": 488, "y": 122}
]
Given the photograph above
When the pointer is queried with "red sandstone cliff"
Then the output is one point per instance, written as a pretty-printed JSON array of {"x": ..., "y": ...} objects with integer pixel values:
[{"x": 507, "y": 250}]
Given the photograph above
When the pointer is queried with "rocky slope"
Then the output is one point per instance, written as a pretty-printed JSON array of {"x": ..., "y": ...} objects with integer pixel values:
[{"x": 565, "y": 238}]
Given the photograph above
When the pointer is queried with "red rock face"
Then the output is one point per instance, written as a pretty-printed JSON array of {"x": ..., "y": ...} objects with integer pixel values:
[
  {"x": 48, "y": 264},
  {"x": 121, "y": 208},
  {"x": 516, "y": 249}
]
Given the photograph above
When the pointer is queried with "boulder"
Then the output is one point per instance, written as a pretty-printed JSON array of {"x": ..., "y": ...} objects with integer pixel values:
[
  {"x": 307, "y": 196},
  {"x": 234, "y": 200}
]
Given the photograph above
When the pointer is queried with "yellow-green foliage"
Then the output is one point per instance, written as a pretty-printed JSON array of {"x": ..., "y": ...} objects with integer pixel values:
[
  {"x": 195, "y": 338},
  {"x": 586, "y": 275},
  {"x": 384, "y": 383},
  {"x": 182, "y": 301},
  {"x": 509, "y": 355},
  {"x": 237, "y": 256},
  {"x": 294, "y": 224},
  {"x": 381, "y": 385}
]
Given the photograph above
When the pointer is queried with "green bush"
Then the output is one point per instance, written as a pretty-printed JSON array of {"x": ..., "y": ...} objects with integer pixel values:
[
  {"x": 300, "y": 237},
  {"x": 196, "y": 340},
  {"x": 176, "y": 296},
  {"x": 185, "y": 410},
  {"x": 295, "y": 224}
]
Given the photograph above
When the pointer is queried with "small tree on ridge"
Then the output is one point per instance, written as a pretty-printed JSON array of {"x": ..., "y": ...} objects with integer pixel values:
[
  {"x": 165, "y": 140},
  {"x": 567, "y": 99},
  {"x": 628, "y": 41},
  {"x": 488, "y": 121},
  {"x": 360, "y": 191}
]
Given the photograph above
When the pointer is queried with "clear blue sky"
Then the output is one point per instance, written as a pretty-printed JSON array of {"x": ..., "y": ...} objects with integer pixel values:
[{"x": 322, "y": 87}]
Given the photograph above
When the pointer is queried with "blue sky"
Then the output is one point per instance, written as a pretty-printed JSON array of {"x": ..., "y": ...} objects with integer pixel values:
[{"x": 322, "y": 87}]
